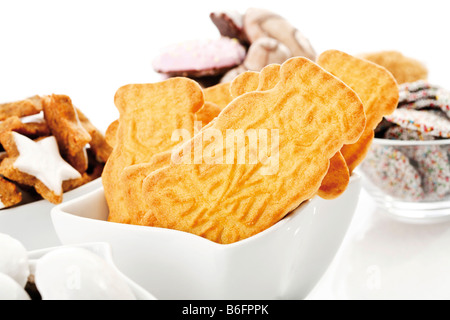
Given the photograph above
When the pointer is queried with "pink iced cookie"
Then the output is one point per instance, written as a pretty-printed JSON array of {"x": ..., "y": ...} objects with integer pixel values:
[{"x": 199, "y": 58}]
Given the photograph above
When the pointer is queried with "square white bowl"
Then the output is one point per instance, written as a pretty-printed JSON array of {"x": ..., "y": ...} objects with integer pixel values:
[
  {"x": 31, "y": 223},
  {"x": 283, "y": 262}
]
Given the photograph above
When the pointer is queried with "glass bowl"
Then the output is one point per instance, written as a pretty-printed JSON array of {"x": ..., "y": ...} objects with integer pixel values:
[{"x": 410, "y": 180}]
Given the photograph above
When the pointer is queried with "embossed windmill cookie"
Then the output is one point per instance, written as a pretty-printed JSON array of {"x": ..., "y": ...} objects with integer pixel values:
[
  {"x": 216, "y": 98},
  {"x": 338, "y": 176},
  {"x": 149, "y": 114},
  {"x": 132, "y": 177},
  {"x": 375, "y": 86},
  {"x": 310, "y": 115}
]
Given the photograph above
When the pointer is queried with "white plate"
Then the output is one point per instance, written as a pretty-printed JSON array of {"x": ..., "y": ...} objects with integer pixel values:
[
  {"x": 104, "y": 251},
  {"x": 31, "y": 223},
  {"x": 283, "y": 262}
]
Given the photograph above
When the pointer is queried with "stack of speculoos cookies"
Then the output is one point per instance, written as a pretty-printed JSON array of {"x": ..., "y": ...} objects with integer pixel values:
[{"x": 172, "y": 166}]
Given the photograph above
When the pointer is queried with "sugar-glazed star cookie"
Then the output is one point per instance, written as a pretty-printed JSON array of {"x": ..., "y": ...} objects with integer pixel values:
[{"x": 36, "y": 163}]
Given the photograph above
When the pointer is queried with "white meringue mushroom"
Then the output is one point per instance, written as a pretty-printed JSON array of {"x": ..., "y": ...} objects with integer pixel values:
[
  {"x": 14, "y": 259},
  {"x": 79, "y": 274},
  {"x": 10, "y": 289}
]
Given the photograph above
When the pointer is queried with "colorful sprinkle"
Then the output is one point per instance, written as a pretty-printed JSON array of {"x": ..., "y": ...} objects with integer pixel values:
[
  {"x": 417, "y": 172},
  {"x": 421, "y": 95},
  {"x": 400, "y": 133},
  {"x": 391, "y": 170},
  {"x": 434, "y": 169},
  {"x": 423, "y": 121}
]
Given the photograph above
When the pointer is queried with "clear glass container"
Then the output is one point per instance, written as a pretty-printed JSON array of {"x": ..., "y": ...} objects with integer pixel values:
[{"x": 409, "y": 179}]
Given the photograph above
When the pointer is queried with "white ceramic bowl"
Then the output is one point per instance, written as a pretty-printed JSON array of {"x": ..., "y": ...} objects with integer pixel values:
[
  {"x": 31, "y": 223},
  {"x": 283, "y": 262},
  {"x": 104, "y": 251}
]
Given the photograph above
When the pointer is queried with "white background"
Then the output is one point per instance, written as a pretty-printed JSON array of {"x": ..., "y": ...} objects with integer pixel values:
[{"x": 88, "y": 49}]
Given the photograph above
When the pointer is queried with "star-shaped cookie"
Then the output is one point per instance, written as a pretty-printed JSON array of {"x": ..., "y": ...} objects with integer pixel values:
[{"x": 36, "y": 163}]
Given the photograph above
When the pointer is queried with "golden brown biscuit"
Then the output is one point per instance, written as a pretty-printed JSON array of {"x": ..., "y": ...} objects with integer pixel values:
[
  {"x": 132, "y": 179},
  {"x": 29, "y": 129},
  {"x": 216, "y": 98},
  {"x": 111, "y": 133},
  {"x": 64, "y": 124},
  {"x": 255, "y": 81},
  {"x": 355, "y": 153},
  {"x": 375, "y": 86},
  {"x": 207, "y": 113},
  {"x": 98, "y": 144},
  {"x": 404, "y": 69},
  {"x": 133, "y": 176},
  {"x": 245, "y": 82},
  {"x": 9, "y": 194},
  {"x": 269, "y": 77},
  {"x": 338, "y": 177},
  {"x": 149, "y": 116},
  {"x": 315, "y": 114},
  {"x": 27, "y": 107},
  {"x": 233, "y": 73},
  {"x": 218, "y": 94},
  {"x": 93, "y": 172}
]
